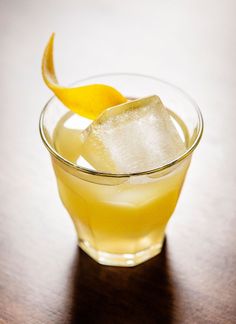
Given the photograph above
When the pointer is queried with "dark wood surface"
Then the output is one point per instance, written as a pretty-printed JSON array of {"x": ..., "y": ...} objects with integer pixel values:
[{"x": 44, "y": 278}]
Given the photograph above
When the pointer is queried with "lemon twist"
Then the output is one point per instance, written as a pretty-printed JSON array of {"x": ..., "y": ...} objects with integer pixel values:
[{"x": 87, "y": 101}]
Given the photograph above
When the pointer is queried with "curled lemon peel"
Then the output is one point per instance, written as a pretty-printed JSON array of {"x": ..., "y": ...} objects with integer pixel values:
[{"x": 87, "y": 101}]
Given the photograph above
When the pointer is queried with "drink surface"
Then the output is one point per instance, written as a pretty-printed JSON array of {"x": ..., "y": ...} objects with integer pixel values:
[{"x": 127, "y": 217}]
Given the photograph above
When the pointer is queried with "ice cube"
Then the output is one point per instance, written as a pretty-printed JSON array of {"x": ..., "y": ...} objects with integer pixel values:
[{"x": 132, "y": 137}]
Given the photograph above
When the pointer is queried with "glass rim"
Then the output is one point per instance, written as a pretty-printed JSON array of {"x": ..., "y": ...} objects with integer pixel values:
[{"x": 124, "y": 175}]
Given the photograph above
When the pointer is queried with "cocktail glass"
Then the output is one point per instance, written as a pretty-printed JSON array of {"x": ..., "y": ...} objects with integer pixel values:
[{"x": 120, "y": 219}]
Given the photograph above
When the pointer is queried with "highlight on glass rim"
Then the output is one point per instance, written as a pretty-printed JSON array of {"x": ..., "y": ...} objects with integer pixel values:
[{"x": 120, "y": 148}]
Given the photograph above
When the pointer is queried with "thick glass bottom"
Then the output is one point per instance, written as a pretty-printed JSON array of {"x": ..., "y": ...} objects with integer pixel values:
[{"x": 120, "y": 260}]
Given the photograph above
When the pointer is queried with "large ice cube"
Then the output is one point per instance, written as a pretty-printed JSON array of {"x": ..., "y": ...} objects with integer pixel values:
[{"x": 132, "y": 137}]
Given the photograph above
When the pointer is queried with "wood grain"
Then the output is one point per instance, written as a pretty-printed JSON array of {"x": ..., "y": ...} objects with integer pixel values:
[{"x": 44, "y": 278}]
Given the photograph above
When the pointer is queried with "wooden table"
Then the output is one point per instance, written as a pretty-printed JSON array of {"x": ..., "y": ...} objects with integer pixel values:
[{"x": 44, "y": 278}]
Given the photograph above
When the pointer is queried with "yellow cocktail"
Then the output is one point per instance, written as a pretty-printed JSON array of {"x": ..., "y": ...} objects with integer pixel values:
[{"x": 120, "y": 219}]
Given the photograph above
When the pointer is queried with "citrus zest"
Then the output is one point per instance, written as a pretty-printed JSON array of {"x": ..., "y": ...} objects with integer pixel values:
[{"x": 87, "y": 101}]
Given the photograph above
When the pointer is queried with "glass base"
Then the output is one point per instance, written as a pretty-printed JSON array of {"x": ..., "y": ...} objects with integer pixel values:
[{"x": 120, "y": 260}]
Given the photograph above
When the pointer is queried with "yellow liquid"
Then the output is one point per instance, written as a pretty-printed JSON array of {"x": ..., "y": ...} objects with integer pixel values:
[{"x": 118, "y": 221}]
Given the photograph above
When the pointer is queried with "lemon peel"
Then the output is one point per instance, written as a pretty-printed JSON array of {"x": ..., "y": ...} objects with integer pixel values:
[{"x": 87, "y": 101}]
